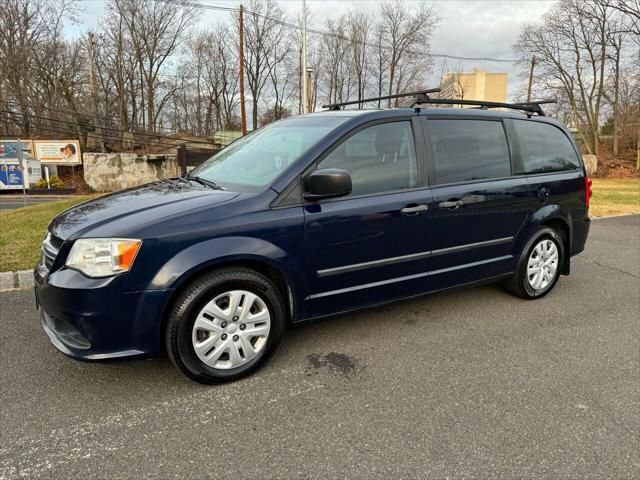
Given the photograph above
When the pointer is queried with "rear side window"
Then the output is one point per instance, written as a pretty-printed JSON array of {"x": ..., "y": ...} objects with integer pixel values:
[
  {"x": 544, "y": 148},
  {"x": 469, "y": 150},
  {"x": 380, "y": 158}
]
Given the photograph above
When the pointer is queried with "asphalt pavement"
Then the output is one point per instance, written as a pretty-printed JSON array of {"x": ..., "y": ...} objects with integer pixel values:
[
  {"x": 10, "y": 202},
  {"x": 464, "y": 384}
]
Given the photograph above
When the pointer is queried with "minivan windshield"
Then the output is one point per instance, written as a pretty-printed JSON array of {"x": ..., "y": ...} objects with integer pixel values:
[{"x": 254, "y": 161}]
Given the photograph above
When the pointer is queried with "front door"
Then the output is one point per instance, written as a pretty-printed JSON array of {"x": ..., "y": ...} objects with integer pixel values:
[
  {"x": 477, "y": 205},
  {"x": 371, "y": 245}
]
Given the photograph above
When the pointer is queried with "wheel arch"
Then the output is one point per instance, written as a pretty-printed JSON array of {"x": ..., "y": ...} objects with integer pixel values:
[
  {"x": 196, "y": 261},
  {"x": 552, "y": 216}
]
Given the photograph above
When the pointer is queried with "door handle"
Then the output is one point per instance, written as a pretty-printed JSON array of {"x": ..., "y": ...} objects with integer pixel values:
[
  {"x": 414, "y": 209},
  {"x": 451, "y": 204}
]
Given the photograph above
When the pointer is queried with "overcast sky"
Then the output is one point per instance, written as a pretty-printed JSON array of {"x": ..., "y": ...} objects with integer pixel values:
[{"x": 468, "y": 28}]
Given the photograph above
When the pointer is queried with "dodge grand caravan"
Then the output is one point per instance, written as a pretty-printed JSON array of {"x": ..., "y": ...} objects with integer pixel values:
[{"x": 308, "y": 217}]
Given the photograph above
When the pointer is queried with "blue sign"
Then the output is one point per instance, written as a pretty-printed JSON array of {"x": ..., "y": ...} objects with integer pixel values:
[{"x": 10, "y": 175}]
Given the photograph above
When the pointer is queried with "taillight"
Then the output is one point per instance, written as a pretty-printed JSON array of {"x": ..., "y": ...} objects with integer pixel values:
[{"x": 587, "y": 189}]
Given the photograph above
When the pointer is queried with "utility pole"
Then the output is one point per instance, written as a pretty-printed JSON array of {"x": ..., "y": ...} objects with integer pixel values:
[
  {"x": 243, "y": 113},
  {"x": 308, "y": 92},
  {"x": 300, "y": 107},
  {"x": 533, "y": 64},
  {"x": 305, "y": 94},
  {"x": 92, "y": 86}
]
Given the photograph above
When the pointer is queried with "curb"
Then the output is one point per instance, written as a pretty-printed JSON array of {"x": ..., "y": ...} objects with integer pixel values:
[
  {"x": 14, "y": 280},
  {"x": 617, "y": 215}
]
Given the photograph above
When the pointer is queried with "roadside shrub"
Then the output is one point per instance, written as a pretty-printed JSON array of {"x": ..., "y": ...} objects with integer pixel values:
[
  {"x": 54, "y": 181},
  {"x": 40, "y": 184}
]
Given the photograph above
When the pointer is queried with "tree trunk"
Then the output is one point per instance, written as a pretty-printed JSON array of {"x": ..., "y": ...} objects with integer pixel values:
[
  {"x": 254, "y": 114},
  {"x": 616, "y": 99},
  {"x": 150, "y": 99}
]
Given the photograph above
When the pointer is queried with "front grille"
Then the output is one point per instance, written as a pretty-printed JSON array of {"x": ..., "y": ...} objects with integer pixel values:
[
  {"x": 48, "y": 257},
  {"x": 50, "y": 248},
  {"x": 55, "y": 241}
]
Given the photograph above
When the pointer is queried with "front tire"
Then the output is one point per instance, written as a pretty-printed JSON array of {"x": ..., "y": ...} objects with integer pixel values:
[
  {"x": 539, "y": 265},
  {"x": 225, "y": 325}
]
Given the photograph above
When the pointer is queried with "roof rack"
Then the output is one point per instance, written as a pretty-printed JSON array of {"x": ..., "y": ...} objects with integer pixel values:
[
  {"x": 529, "y": 107},
  {"x": 421, "y": 97}
]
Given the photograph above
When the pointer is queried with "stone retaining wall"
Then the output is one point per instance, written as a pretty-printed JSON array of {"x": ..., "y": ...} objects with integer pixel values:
[
  {"x": 590, "y": 163},
  {"x": 106, "y": 172}
]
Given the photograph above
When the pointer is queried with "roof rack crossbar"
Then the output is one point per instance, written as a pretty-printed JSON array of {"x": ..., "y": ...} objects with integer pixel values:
[
  {"x": 421, "y": 96},
  {"x": 531, "y": 107}
]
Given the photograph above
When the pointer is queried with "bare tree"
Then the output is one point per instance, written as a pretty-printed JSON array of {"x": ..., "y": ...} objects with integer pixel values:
[
  {"x": 616, "y": 36},
  {"x": 336, "y": 67},
  {"x": 380, "y": 60},
  {"x": 213, "y": 71},
  {"x": 153, "y": 72},
  {"x": 405, "y": 35},
  {"x": 117, "y": 72},
  {"x": 263, "y": 31},
  {"x": 282, "y": 71},
  {"x": 156, "y": 30},
  {"x": 571, "y": 48},
  {"x": 358, "y": 26},
  {"x": 629, "y": 104},
  {"x": 32, "y": 59},
  {"x": 630, "y": 9}
]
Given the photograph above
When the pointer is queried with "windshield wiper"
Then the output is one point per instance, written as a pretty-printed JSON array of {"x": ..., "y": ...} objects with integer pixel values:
[{"x": 204, "y": 181}]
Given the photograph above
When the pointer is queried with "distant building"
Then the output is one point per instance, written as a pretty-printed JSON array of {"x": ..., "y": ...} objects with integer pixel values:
[{"x": 478, "y": 85}]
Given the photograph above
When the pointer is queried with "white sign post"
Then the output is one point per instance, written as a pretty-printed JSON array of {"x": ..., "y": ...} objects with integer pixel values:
[{"x": 25, "y": 172}]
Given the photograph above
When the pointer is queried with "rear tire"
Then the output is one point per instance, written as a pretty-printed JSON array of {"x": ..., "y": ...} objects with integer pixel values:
[
  {"x": 225, "y": 325},
  {"x": 539, "y": 265}
]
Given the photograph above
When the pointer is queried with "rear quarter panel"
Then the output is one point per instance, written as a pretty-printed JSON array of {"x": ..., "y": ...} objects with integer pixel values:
[{"x": 566, "y": 203}]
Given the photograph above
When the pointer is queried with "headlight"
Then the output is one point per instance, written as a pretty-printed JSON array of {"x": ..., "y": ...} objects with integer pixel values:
[{"x": 103, "y": 257}]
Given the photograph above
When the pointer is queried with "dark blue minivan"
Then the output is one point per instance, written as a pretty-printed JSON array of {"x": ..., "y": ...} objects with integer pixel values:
[{"x": 308, "y": 217}]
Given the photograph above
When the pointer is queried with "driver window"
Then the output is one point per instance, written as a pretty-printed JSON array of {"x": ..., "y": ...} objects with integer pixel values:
[{"x": 380, "y": 158}]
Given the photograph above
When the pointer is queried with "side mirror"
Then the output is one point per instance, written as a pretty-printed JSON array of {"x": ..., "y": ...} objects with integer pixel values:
[{"x": 327, "y": 183}]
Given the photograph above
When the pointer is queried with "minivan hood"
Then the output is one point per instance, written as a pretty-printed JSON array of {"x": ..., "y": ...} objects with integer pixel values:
[{"x": 122, "y": 212}]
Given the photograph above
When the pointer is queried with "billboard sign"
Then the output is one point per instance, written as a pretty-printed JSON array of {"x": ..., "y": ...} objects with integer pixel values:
[
  {"x": 9, "y": 149},
  {"x": 10, "y": 174},
  {"x": 58, "y": 152},
  {"x": 34, "y": 171}
]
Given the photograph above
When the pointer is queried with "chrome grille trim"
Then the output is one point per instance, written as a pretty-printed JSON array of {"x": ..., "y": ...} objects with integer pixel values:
[{"x": 49, "y": 251}]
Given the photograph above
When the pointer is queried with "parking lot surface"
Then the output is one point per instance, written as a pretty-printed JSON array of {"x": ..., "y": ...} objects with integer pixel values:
[{"x": 467, "y": 383}]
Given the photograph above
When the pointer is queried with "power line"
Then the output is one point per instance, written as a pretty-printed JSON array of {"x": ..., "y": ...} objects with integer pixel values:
[
  {"x": 166, "y": 137},
  {"x": 325, "y": 33},
  {"x": 108, "y": 119},
  {"x": 67, "y": 124},
  {"x": 340, "y": 37},
  {"x": 68, "y": 130}
]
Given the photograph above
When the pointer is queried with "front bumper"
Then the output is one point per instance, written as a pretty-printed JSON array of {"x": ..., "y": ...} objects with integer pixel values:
[{"x": 95, "y": 319}]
